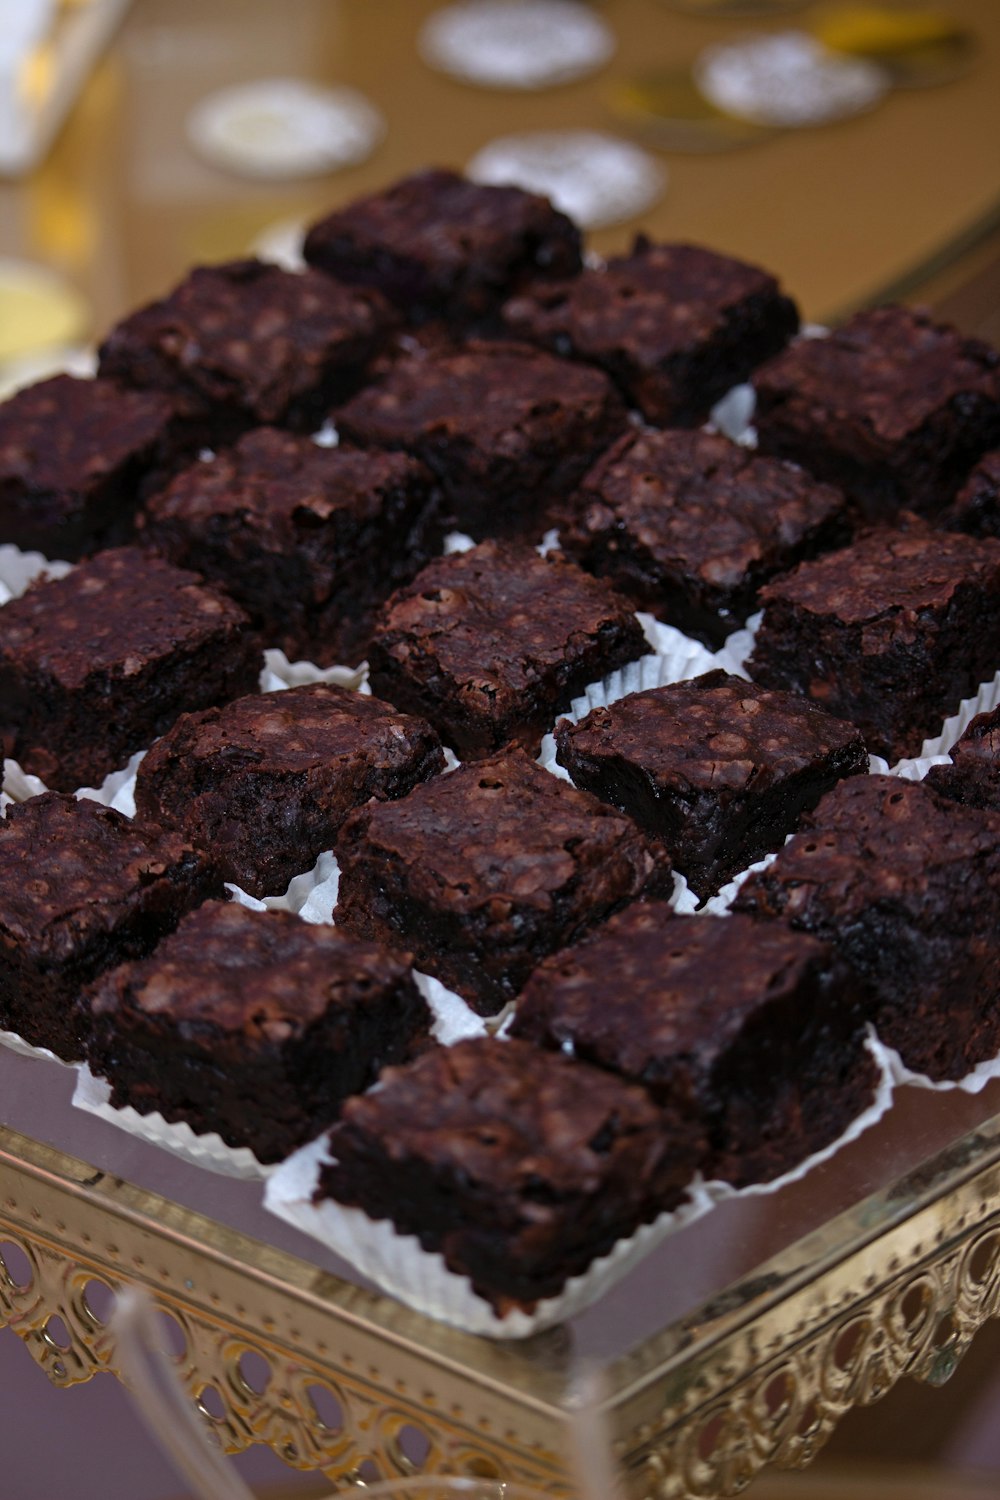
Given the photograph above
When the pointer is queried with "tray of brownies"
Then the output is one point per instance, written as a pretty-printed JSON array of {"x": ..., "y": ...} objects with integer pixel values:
[{"x": 502, "y": 749}]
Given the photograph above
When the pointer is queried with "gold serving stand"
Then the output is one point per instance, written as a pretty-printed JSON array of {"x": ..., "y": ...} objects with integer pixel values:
[{"x": 277, "y": 1348}]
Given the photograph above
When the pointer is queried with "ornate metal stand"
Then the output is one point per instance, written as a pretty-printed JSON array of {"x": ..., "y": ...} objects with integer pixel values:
[{"x": 337, "y": 1379}]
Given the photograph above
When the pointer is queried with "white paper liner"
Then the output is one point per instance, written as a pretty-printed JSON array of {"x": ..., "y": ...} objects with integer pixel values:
[
  {"x": 281, "y": 672},
  {"x": 596, "y": 179},
  {"x": 973, "y": 1083},
  {"x": 18, "y": 569},
  {"x": 882, "y": 1101},
  {"x": 398, "y": 1265},
  {"x": 15, "y": 1043},
  {"x": 210, "y": 1151},
  {"x": 516, "y": 44}
]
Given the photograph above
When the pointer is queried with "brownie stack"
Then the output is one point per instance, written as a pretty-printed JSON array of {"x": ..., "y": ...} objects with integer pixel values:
[{"x": 268, "y": 460}]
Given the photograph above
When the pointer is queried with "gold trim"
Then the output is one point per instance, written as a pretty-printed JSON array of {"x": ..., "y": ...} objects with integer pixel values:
[{"x": 759, "y": 1375}]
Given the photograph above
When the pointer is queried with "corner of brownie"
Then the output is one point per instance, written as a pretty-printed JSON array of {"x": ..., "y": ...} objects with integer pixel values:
[
  {"x": 439, "y": 245},
  {"x": 976, "y": 507},
  {"x": 521, "y": 1168},
  {"x": 752, "y": 1030},
  {"x": 717, "y": 769},
  {"x": 482, "y": 872},
  {"x": 674, "y": 325},
  {"x": 973, "y": 777},
  {"x": 95, "y": 665},
  {"x": 253, "y": 1025},
  {"x": 491, "y": 644},
  {"x": 81, "y": 889},
  {"x": 906, "y": 885},
  {"x": 265, "y": 782}
]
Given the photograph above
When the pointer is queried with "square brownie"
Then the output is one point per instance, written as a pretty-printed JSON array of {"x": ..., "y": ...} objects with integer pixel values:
[
  {"x": 491, "y": 644},
  {"x": 974, "y": 774},
  {"x": 483, "y": 872},
  {"x": 690, "y": 526},
  {"x": 907, "y": 888},
  {"x": 718, "y": 769},
  {"x": 675, "y": 326},
  {"x": 254, "y": 1025},
  {"x": 76, "y": 457},
  {"x": 309, "y": 540},
  {"x": 752, "y": 1030},
  {"x": 265, "y": 782},
  {"x": 246, "y": 343},
  {"x": 508, "y": 430},
  {"x": 891, "y": 632},
  {"x": 95, "y": 665},
  {"x": 438, "y": 245},
  {"x": 976, "y": 507},
  {"x": 892, "y": 407},
  {"x": 518, "y": 1167},
  {"x": 82, "y": 889}
]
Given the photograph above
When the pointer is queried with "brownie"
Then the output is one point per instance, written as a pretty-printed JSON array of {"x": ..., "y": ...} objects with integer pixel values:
[
  {"x": 508, "y": 430},
  {"x": 907, "y": 887},
  {"x": 891, "y": 632},
  {"x": 892, "y": 407},
  {"x": 491, "y": 644},
  {"x": 675, "y": 326},
  {"x": 519, "y": 1168},
  {"x": 976, "y": 507},
  {"x": 690, "y": 526},
  {"x": 974, "y": 774},
  {"x": 76, "y": 456},
  {"x": 438, "y": 245},
  {"x": 309, "y": 540},
  {"x": 753, "y": 1031},
  {"x": 718, "y": 769},
  {"x": 95, "y": 665},
  {"x": 483, "y": 872},
  {"x": 253, "y": 1025},
  {"x": 245, "y": 343},
  {"x": 82, "y": 889},
  {"x": 266, "y": 782}
]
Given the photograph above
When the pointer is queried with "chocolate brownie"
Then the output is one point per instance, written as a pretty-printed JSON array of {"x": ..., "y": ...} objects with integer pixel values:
[
  {"x": 82, "y": 889},
  {"x": 675, "y": 326},
  {"x": 244, "y": 343},
  {"x": 309, "y": 540},
  {"x": 974, "y": 774},
  {"x": 976, "y": 507},
  {"x": 752, "y": 1030},
  {"x": 266, "y": 782},
  {"x": 492, "y": 643},
  {"x": 508, "y": 430},
  {"x": 907, "y": 887},
  {"x": 483, "y": 872},
  {"x": 690, "y": 526},
  {"x": 95, "y": 665},
  {"x": 519, "y": 1168},
  {"x": 76, "y": 457},
  {"x": 891, "y": 632},
  {"x": 718, "y": 769},
  {"x": 254, "y": 1025},
  {"x": 438, "y": 245},
  {"x": 892, "y": 407}
]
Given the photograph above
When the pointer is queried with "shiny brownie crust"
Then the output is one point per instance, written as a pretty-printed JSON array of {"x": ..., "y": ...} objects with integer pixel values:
[
  {"x": 492, "y": 643},
  {"x": 675, "y": 326},
  {"x": 308, "y": 540},
  {"x": 82, "y": 888},
  {"x": 438, "y": 245},
  {"x": 95, "y": 665},
  {"x": 507, "y": 429},
  {"x": 718, "y": 769},
  {"x": 254, "y": 1025},
  {"x": 906, "y": 886},
  {"x": 483, "y": 872},
  {"x": 751, "y": 1030},
  {"x": 266, "y": 782},
  {"x": 519, "y": 1167}
]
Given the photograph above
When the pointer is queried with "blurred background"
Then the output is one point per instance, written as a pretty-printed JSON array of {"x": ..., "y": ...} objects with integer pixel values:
[{"x": 859, "y": 160}]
